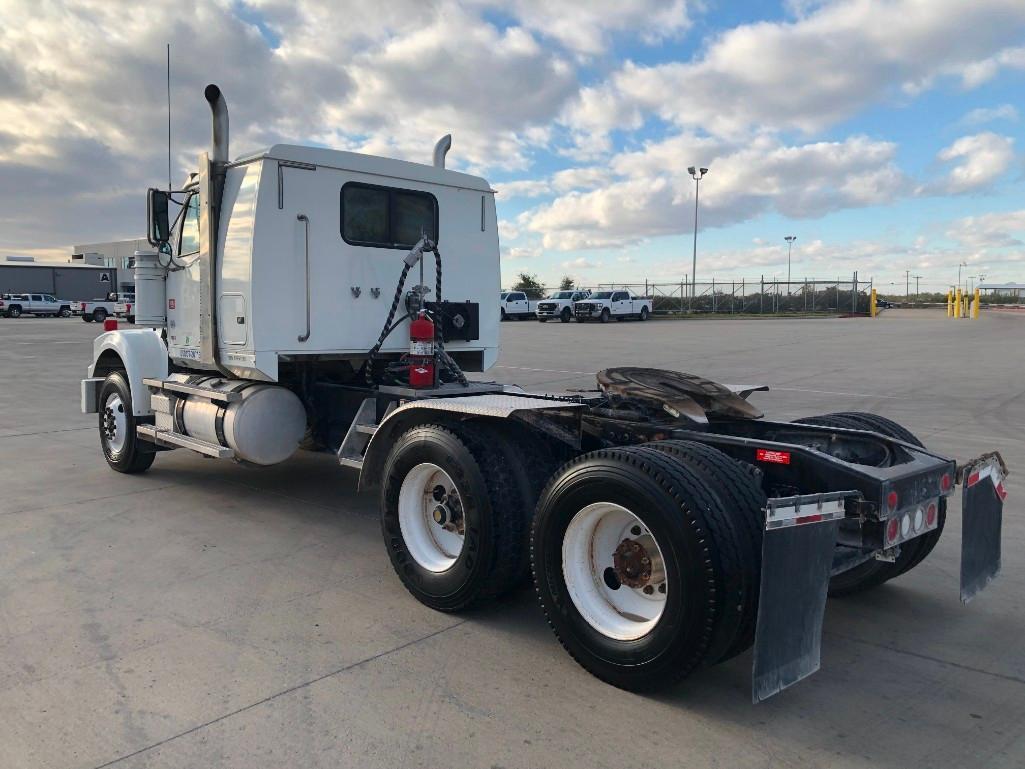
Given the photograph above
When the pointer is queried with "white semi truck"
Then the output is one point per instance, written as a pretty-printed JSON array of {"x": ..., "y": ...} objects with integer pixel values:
[{"x": 296, "y": 300}]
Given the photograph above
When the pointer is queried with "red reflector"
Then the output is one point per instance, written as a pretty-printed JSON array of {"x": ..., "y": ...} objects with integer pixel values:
[
  {"x": 891, "y": 500},
  {"x": 110, "y": 324},
  {"x": 892, "y": 529},
  {"x": 776, "y": 457},
  {"x": 945, "y": 482},
  {"x": 930, "y": 514},
  {"x": 807, "y": 519},
  {"x": 972, "y": 480},
  {"x": 170, "y": 304},
  {"x": 1001, "y": 491}
]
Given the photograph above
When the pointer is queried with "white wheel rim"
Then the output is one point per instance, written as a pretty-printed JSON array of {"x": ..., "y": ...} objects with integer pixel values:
[
  {"x": 588, "y": 548},
  {"x": 115, "y": 423},
  {"x": 435, "y": 546}
]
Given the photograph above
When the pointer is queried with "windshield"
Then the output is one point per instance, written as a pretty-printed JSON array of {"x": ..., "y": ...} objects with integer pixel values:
[
  {"x": 562, "y": 295},
  {"x": 505, "y": 295},
  {"x": 601, "y": 295}
]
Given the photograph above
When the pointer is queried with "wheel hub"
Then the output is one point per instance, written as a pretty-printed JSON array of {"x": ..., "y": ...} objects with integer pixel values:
[{"x": 637, "y": 563}]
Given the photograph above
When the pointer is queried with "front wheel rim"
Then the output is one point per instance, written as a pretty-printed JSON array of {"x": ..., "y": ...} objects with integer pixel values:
[
  {"x": 115, "y": 423},
  {"x": 614, "y": 571},
  {"x": 431, "y": 517}
]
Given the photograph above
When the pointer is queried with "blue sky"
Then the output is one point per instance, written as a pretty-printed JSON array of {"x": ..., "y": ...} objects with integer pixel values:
[{"x": 886, "y": 135}]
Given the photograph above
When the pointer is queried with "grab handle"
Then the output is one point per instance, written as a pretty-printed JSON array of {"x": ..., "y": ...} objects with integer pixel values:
[{"x": 306, "y": 239}]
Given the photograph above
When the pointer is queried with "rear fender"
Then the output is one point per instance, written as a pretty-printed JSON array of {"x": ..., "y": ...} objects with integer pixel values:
[{"x": 140, "y": 353}]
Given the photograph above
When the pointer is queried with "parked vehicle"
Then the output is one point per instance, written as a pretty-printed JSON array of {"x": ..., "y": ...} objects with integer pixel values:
[
  {"x": 99, "y": 310},
  {"x": 40, "y": 305},
  {"x": 514, "y": 305},
  {"x": 605, "y": 305},
  {"x": 668, "y": 525},
  {"x": 559, "y": 305},
  {"x": 125, "y": 307}
]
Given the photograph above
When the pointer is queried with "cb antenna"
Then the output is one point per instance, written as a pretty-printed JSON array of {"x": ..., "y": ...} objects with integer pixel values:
[{"x": 169, "y": 186}]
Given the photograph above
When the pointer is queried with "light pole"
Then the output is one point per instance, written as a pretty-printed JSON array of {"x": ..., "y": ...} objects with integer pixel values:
[
  {"x": 959, "y": 266},
  {"x": 790, "y": 244},
  {"x": 696, "y": 174}
]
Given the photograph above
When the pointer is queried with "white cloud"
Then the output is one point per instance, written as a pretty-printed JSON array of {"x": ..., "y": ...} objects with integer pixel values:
[
  {"x": 652, "y": 193},
  {"x": 978, "y": 72},
  {"x": 979, "y": 161},
  {"x": 805, "y": 74},
  {"x": 585, "y": 27},
  {"x": 982, "y": 115},
  {"x": 521, "y": 252},
  {"x": 1005, "y": 229},
  {"x": 582, "y": 263}
]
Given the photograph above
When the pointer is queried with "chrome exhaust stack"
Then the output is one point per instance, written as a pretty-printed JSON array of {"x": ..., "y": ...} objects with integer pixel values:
[
  {"x": 440, "y": 149},
  {"x": 219, "y": 111}
]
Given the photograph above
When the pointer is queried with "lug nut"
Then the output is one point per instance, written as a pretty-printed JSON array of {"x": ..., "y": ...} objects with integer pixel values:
[{"x": 648, "y": 590}]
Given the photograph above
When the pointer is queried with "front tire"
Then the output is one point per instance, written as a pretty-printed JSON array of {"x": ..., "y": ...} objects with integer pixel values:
[
  {"x": 564, "y": 316},
  {"x": 14, "y": 312},
  {"x": 65, "y": 312},
  {"x": 455, "y": 510},
  {"x": 122, "y": 448},
  {"x": 504, "y": 316},
  {"x": 87, "y": 318},
  {"x": 637, "y": 624},
  {"x": 605, "y": 315}
]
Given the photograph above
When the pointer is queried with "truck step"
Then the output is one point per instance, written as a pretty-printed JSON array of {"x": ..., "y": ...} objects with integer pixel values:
[
  {"x": 170, "y": 438},
  {"x": 362, "y": 429},
  {"x": 171, "y": 385}
]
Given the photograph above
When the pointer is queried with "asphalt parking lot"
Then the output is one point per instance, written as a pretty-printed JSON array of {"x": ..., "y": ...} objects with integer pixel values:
[{"x": 206, "y": 614}]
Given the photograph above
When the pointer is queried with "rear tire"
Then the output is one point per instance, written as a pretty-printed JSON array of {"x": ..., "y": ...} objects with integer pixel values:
[
  {"x": 738, "y": 488},
  {"x": 873, "y": 573},
  {"x": 486, "y": 500},
  {"x": 122, "y": 448},
  {"x": 99, "y": 315},
  {"x": 648, "y": 640},
  {"x": 644, "y": 313}
]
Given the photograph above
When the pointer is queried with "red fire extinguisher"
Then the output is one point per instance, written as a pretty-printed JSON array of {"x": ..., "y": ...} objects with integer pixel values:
[{"x": 421, "y": 351}]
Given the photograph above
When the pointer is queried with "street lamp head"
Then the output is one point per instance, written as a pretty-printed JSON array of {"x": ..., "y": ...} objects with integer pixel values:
[
  {"x": 704, "y": 171},
  {"x": 691, "y": 170}
]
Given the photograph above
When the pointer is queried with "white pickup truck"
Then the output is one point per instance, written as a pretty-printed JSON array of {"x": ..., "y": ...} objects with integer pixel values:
[
  {"x": 98, "y": 309},
  {"x": 559, "y": 305},
  {"x": 603, "y": 305},
  {"x": 40, "y": 305},
  {"x": 515, "y": 306}
]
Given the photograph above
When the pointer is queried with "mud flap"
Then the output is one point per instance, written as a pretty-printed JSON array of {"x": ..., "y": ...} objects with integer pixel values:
[
  {"x": 982, "y": 507},
  {"x": 797, "y": 556}
]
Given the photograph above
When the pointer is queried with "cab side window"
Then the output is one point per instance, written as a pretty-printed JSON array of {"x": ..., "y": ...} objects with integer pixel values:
[{"x": 188, "y": 243}]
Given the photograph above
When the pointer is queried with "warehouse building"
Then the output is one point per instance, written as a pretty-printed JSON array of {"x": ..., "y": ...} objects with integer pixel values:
[
  {"x": 71, "y": 282},
  {"x": 116, "y": 254}
]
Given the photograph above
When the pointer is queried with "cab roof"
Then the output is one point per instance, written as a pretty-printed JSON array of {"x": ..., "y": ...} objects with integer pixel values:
[{"x": 369, "y": 164}]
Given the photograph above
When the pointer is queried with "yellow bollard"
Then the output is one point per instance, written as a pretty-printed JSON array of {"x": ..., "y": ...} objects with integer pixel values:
[
  {"x": 872, "y": 304},
  {"x": 950, "y": 304},
  {"x": 975, "y": 305},
  {"x": 957, "y": 303}
]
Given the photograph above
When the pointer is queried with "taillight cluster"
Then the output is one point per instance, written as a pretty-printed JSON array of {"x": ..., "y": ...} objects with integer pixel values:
[{"x": 911, "y": 523}]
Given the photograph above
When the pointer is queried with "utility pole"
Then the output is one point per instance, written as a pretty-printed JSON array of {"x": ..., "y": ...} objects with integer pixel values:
[
  {"x": 696, "y": 174},
  {"x": 916, "y": 277},
  {"x": 907, "y": 284},
  {"x": 790, "y": 243}
]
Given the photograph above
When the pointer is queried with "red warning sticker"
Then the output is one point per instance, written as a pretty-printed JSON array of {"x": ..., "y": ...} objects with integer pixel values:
[{"x": 776, "y": 457}]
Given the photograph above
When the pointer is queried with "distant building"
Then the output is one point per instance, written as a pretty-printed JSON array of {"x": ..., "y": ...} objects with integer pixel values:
[
  {"x": 116, "y": 254},
  {"x": 72, "y": 282}
]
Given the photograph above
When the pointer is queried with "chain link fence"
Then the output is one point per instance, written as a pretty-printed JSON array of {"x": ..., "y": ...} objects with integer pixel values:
[{"x": 760, "y": 296}]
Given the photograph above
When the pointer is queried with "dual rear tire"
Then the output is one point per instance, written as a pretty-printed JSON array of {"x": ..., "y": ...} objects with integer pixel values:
[{"x": 645, "y": 558}]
